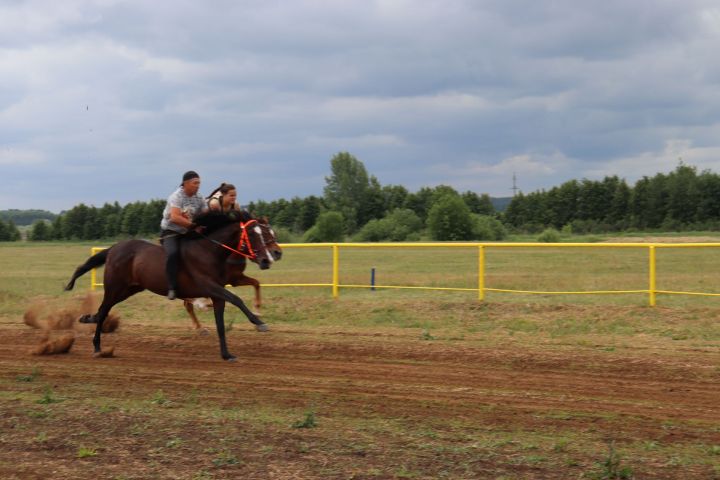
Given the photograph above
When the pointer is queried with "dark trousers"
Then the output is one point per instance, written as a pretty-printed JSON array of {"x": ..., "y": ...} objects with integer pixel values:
[{"x": 171, "y": 242}]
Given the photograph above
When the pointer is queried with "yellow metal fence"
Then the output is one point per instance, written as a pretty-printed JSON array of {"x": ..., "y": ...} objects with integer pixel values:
[{"x": 482, "y": 288}]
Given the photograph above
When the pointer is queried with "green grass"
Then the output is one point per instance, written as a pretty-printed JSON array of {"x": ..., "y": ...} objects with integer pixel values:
[
  {"x": 33, "y": 269},
  {"x": 33, "y": 272},
  {"x": 620, "y": 327}
]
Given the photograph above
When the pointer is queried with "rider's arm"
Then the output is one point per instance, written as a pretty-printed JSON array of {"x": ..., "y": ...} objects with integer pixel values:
[
  {"x": 178, "y": 218},
  {"x": 214, "y": 204}
]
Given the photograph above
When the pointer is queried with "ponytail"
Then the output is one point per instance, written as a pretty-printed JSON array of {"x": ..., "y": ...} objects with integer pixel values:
[{"x": 223, "y": 189}]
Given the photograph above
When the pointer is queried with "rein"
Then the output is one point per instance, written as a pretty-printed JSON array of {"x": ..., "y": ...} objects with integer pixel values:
[{"x": 243, "y": 241}]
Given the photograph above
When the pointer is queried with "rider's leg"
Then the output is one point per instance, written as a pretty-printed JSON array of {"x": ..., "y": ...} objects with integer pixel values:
[{"x": 172, "y": 251}]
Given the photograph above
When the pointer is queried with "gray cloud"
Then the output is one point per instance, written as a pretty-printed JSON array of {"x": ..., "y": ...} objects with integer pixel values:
[{"x": 106, "y": 100}]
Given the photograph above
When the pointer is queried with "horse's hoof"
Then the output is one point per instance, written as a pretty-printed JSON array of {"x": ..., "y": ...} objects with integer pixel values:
[
  {"x": 202, "y": 332},
  {"x": 107, "y": 352},
  {"x": 230, "y": 358},
  {"x": 262, "y": 327},
  {"x": 87, "y": 318}
]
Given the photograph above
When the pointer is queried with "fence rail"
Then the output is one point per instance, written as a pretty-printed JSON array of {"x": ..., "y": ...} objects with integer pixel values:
[{"x": 482, "y": 247}]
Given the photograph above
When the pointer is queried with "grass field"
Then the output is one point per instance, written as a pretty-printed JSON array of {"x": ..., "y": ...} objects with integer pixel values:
[{"x": 379, "y": 384}]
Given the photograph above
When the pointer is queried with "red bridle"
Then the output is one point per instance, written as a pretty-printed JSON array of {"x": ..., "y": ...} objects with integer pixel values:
[{"x": 244, "y": 241}]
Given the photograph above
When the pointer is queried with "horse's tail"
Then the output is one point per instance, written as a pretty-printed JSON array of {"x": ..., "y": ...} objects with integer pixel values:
[{"x": 95, "y": 261}]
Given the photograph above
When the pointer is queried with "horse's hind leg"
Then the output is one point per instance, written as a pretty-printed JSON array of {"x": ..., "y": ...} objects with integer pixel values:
[
  {"x": 100, "y": 317},
  {"x": 110, "y": 299}
]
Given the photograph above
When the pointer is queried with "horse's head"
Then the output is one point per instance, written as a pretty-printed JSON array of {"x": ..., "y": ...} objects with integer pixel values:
[
  {"x": 270, "y": 239},
  {"x": 247, "y": 233},
  {"x": 252, "y": 241}
]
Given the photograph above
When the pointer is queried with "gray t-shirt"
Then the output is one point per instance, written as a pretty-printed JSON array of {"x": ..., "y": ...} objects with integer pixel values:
[{"x": 188, "y": 205}]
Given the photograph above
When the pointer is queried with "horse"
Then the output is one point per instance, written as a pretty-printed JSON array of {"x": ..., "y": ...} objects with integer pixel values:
[
  {"x": 235, "y": 273},
  {"x": 132, "y": 266}
]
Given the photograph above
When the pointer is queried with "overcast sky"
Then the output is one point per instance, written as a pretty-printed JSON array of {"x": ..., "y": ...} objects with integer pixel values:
[{"x": 113, "y": 100}]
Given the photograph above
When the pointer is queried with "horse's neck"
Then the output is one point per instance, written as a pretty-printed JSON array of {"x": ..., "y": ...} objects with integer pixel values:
[
  {"x": 209, "y": 251},
  {"x": 228, "y": 235}
]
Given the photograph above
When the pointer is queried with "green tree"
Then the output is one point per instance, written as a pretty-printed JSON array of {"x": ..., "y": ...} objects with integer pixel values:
[
  {"x": 13, "y": 232},
  {"x": 683, "y": 196},
  {"x": 619, "y": 211},
  {"x": 4, "y": 232},
  {"x": 151, "y": 217},
  {"x": 515, "y": 213},
  {"x": 131, "y": 219},
  {"x": 450, "y": 219},
  {"x": 93, "y": 227},
  {"x": 310, "y": 210},
  {"x": 373, "y": 203},
  {"x": 562, "y": 203},
  {"x": 57, "y": 229},
  {"x": 709, "y": 193},
  {"x": 399, "y": 225},
  {"x": 110, "y": 216},
  {"x": 288, "y": 215},
  {"x": 73, "y": 224},
  {"x": 112, "y": 225},
  {"x": 346, "y": 190},
  {"x": 486, "y": 227},
  {"x": 40, "y": 231},
  {"x": 393, "y": 197},
  {"x": 420, "y": 202},
  {"x": 480, "y": 204},
  {"x": 329, "y": 228}
]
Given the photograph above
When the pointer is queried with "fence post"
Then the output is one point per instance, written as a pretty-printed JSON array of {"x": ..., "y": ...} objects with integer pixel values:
[
  {"x": 652, "y": 281},
  {"x": 481, "y": 273},
  {"x": 336, "y": 270},
  {"x": 93, "y": 272},
  {"x": 93, "y": 275}
]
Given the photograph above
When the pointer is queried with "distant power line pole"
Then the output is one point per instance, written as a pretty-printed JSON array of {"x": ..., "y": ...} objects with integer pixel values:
[{"x": 514, "y": 187}]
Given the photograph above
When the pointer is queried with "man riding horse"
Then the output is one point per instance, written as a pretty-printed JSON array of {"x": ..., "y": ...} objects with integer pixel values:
[{"x": 182, "y": 205}]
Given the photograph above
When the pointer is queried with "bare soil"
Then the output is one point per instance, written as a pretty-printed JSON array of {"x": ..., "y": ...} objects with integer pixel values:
[{"x": 385, "y": 404}]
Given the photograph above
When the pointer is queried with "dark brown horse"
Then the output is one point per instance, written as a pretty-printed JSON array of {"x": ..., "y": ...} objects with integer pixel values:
[
  {"x": 132, "y": 266},
  {"x": 235, "y": 273}
]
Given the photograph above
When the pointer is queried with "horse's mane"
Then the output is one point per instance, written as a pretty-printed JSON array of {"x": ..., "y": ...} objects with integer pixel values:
[{"x": 213, "y": 220}]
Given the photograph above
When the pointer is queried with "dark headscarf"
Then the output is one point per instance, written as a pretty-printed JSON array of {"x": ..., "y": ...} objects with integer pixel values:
[{"x": 189, "y": 175}]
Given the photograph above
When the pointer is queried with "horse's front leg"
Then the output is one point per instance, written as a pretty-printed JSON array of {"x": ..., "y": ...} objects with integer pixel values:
[
  {"x": 219, "y": 309},
  {"x": 258, "y": 299},
  {"x": 220, "y": 292},
  {"x": 189, "y": 307}
]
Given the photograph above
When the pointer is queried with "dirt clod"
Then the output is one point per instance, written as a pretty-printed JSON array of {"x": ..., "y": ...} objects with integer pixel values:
[{"x": 61, "y": 344}]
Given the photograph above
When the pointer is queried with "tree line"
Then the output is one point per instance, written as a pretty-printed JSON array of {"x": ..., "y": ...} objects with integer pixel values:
[
  {"x": 110, "y": 221},
  {"x": 354, "y": 205},
  {"x": 680, "y": 200}
]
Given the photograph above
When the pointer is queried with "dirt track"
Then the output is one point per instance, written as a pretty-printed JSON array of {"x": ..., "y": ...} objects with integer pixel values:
[{"x": 495, "y": 407}]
